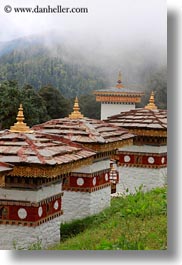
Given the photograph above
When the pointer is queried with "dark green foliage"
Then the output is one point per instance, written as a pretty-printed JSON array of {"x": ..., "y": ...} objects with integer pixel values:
[
  {"x": 158, "y": 84},
  {"x": 89, "y": 106},
  {"x": 57, "y": 106},
  {"x": 75, "y": 227},
  {"x": 34, "y": 106},
  {"x": 9, "y": 103},
  {"x": 39, "y": 66},
  {"x": 71, "y": 73},
  {"x": 39, "y": 106},
  {"x": 10, "y": 98}
]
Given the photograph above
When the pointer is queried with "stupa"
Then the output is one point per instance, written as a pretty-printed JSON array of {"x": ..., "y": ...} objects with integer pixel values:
[
  {"x": 87, "y": 190},
  {"x": 31, "y": 187},
  {"x": 145, "y": 162},
  {"x": 116, "y": 99}
]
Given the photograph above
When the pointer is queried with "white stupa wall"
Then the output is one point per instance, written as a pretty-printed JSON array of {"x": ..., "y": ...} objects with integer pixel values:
[
  {"x": 22, "y": 237},
  {"x": 77, "y": 205},
  {"x": 144, "y": 149},
  {"x": 108, "y": 109},
  {"x": 132, "y": 178},
  {"x": 31, "y": 195},
  {"x": 95, "y": 167}
]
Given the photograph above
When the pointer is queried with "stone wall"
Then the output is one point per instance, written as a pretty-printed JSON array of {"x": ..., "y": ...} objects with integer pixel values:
[
  {"x": 77, "y": 205},
  {"x": 133, "y": 177},
  {"x": 21, "y": 237}
]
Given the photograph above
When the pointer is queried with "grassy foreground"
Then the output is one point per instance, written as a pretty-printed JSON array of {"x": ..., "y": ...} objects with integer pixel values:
[{"x": 135, "y": 222}]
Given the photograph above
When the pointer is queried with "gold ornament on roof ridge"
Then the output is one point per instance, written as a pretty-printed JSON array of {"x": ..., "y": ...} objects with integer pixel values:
[
  {"x": 119, "y": 82},
  {"x": 151, "y": 104},
  {"x": 76, "y": 114},
  {"x": 20, "y": 126}
]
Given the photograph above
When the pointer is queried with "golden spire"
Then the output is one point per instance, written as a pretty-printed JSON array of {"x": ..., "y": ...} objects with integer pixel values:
[
  {"x": 119, "y": 82},
  {"x": 151, "y": 104},
  {"x": 76, "y": 114},
  {"x": 20, "y": 126}
]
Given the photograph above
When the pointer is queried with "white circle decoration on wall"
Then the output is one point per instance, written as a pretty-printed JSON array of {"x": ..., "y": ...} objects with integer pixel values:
[
  {"x": 94, "y": 181},
  {"x": 56, "y": 205},
  {"x": 162, "y": 160},
  {"x": 151, "y": 160},
  {"x": 127, "y": 158},
  {"x": 22, "y": 213},
  {"x": 106, "y": 177},
  {"x": 80, "y": 181},
  {"x": 40, "y": 211}
]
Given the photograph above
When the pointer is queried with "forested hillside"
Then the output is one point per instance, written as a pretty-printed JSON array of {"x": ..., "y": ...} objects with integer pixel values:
[
  {"x": 35, "y": 65},
  {"x": 46, "y": 73}
]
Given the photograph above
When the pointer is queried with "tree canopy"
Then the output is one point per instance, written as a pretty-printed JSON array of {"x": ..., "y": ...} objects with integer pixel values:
[
  {"x": 89, "y": 106},
  {"x": 57, "y": 106},
  {"x": 158, "y": 84},
  {"x": 40, "y": 106},
  {"x": 11, "y": 95},
  {"x": 38, "y": 67}
]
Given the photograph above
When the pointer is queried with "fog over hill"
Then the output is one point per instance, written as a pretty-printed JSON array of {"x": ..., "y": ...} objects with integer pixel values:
[
  {"x": 136, "y": 62},
  {"x": 84, "y": 50}
]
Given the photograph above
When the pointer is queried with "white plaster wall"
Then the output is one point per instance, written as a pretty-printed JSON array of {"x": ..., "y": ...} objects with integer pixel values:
[
  {"x": 144, "y": 149},
  {"x": 95, "y": 167},
  {"x": 134, "y": 177},
  {"x": 112, "y": 109},
  {"x": 29, "y": 195},
  {"x": 77, "y": 205},
  {"x": 23, "y": 236}
]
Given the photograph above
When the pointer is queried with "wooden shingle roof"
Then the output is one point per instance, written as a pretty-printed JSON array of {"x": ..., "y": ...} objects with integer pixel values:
[
  {"x": 41, "y": 155},
  {"x": 39, "y": 148},
  {"x": 4, "y": 168},
  {"x": 142, "y": 118},
  {"x": 84, "y": 130}
]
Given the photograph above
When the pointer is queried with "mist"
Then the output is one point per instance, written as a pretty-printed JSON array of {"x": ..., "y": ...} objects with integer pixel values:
[{"x": 130, "y": 36}]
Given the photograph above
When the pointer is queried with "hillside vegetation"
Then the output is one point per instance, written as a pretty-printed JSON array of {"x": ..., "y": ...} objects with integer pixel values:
[
  {"x": 37, "y": 66},
  {"x": 46, "y": 78},
  {"x": 134, "y": 222}
]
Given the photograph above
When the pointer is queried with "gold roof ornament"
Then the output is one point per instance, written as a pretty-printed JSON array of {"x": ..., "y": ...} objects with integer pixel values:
[
  {"x": 119, "y": 82},
  {"x": 76, "y": 114},
  {"x": 20, "y": 126},
  {"x": 151, "y": 105}
]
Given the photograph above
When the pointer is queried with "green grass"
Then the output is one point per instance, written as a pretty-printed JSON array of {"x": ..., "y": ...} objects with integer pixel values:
[{"x": 135, "y": 222}]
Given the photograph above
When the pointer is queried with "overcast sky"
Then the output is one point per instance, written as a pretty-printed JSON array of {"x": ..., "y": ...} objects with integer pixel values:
[{"x": 111, "y": 20}]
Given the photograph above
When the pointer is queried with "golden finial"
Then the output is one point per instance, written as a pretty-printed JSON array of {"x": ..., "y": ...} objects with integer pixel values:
[
  {"x": 151, "y": 104},
  {"x": 119, "y": 82},
  {"x": 20, "y": 126},
  {"x": 76, "y": 114}
]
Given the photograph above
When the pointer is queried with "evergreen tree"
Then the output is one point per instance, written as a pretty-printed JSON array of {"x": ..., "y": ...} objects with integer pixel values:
[
  {"x": 57, "y": 106},
  {"x": 10, "y": 98},
  {"x": 158, "y": 84},
  {"x": 34, "y": 106},
  {"x": 89, "y": 107}
]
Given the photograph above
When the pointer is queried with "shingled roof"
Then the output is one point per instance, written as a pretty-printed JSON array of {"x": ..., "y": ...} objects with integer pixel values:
[
  {"x": 149, "y": 120},
  {"x": 140, "y": 118},
  {"x": 4, "y": 168},
  {"x": 84, "y": 130},
  {"x": 21, "y": 146},
  {"x": 38, "y": 148}
]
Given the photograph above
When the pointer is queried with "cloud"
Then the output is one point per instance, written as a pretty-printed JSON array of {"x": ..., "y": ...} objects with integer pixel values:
[
  {"x": 116, "y": 20},
  {"x": 124, "y": 34}
]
